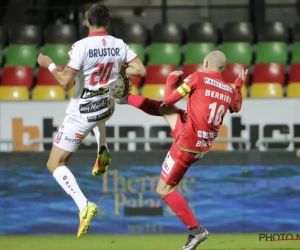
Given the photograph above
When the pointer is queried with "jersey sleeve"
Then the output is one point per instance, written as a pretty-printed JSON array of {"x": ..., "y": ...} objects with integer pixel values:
[
  {"x": 189, "y": 84},
  {"x": 236, "y": 104},
  {"x": 74, "y": 57},
  {"x": 130, "y": 55}
]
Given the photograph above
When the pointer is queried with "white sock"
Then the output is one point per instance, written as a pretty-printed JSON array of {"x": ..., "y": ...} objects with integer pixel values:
[{"x": 67, "y": 181}]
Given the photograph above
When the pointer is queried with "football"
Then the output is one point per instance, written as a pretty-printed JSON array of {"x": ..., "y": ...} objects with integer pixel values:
[{"x": 122, "y": 87}]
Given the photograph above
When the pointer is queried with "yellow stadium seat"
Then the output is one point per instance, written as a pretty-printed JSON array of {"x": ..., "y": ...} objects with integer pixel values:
[
  {"x": 266, "y": 90},
  {"x": 48, "y": 93},
  {"x": 293, "y": 90},
  {"x": 71, "y": 92},
  {"x": 244, "y": 90},
  {"x": 155, "y": 91},
  {"x": 16, "y": 93}
]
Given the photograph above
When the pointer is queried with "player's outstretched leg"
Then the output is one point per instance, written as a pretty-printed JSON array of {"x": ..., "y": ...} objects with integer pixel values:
[
  {"x": 103, "y": 158},
  {"x": 57, "y": 166},
  {"x": 147, "y": 105}
]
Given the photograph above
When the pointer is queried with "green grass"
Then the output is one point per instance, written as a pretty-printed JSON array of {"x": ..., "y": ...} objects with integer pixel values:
[{"x": 138, "y": 242}]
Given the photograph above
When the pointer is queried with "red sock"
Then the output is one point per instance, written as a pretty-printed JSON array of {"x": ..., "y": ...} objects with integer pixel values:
[
  {"x": 147, "y": 105},
  {"x": 181, "y": 208}
]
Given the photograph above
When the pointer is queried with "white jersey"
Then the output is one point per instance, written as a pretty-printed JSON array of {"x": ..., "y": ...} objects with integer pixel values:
[{"x": 98, "y": 60}]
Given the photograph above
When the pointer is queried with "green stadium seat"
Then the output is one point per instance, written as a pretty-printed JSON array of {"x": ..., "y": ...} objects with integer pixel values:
[
  {"x": 21, "y": 55},
  {"x": 195, "y": 52},
  {"x": 272, "y": 52},
  {"x": 164, "y": 53},
  {"x": 238, "y": 52},
  {"x": 139, "y": 50},
  {"x": 296, "y": 52},
  {"x": 57, "y": 52}
]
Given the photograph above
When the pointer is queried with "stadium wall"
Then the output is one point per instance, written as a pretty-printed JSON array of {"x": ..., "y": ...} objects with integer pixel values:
[{"x": 229, "y": 192}]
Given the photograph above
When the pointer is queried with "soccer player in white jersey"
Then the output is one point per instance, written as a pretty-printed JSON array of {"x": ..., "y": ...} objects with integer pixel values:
[{"x": 94, "y": 64}]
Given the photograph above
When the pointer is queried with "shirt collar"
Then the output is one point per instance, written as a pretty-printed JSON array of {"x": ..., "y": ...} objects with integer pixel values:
[
  {"x": 215, "y": 74},
  {"x": 98, "y": 33}
]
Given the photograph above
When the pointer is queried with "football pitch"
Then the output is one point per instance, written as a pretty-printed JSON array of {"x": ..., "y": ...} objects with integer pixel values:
[{"x": 139, "y": 242}]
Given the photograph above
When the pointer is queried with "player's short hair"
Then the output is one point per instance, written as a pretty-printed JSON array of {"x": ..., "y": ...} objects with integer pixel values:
[{"x": 98, "y": 15}]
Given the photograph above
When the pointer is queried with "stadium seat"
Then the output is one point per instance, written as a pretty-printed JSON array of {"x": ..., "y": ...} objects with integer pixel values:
[
  {"x": 294, "y": 74},
  {"x": 296, "y": 52},
  {"x": 231, "y": 73},
  {"x": 44, "y": 76},
  {"x": 3, "y": 38},
  {"x": 17, "y": 76},
  {"x": 268, "y": 73},
  {"x": 14, "y": 93},
  {"x": 238, "y": 52},
  {"x": 134, "y": 90},
  {"x": 202, "y": 33},
  {"x": 132, "y": 33},
  {"x": 272, "y": 52},
  {"x": 167, "y": 33},
  {"x": 296, "y": 32},
  {"x": 136, "y": 80},
  {"x": 238, "y": 32},
  {"x": 25, "y": 34},
  {"x": 272, "y": 31},
  {"x": 57, "y": 52},
  {"x": 244, "y": 90},
  {"x": 64, "y": 33},
  {"x": 139, "y": 50},
  {"x": 195, "y": 52},
  {"x": 158, "y": 74},
  {"x": 48, "y": 93},
  {"x": 189, "y": 69},
  {"x": 293, "y": 90},
  {"x": 22, "y": 55},
  {"x": 164, "y": 53},
  {"x": 154, "y": 91},
  {"x": 271, "y": 90}
]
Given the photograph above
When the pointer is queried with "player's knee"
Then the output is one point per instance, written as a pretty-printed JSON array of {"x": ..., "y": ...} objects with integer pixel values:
[
  {"x": 161, "y": 191},
  {"x": 54, "y": 163}
]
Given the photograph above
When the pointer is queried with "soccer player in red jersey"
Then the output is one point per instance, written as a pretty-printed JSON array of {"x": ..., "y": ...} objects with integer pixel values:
[{"x": 194, "y": 130}]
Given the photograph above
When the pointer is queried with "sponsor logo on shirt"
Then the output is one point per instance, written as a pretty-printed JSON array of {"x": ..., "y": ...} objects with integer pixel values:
[
  {"x": 101, "y": 116},
  {"x": 207, "y": 135},
  {"x": 89, "y": 93},
  {"x": 94, "y": 106},
  {"x": 217, "y": 84}
]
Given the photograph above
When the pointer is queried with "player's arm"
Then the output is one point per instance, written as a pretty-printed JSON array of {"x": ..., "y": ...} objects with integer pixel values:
[
  {"x": 172, "y": 96},
  {"x": 132, "y": 64},
  {"x": 65, "y": 78},
  {"x": 236, "y": 104}
]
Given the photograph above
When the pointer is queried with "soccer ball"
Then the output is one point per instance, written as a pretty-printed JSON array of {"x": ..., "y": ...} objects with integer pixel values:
[{"x": 122, "y": 87}]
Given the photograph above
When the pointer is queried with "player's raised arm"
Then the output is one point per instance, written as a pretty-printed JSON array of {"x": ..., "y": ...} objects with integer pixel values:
[
  {"x": 64, "y": 78},
  {"x": 236, "y": 104},
  {"x": 172, "y": 96}
]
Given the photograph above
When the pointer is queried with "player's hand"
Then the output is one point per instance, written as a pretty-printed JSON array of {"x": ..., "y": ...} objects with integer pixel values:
[
  {"x": 242, "y": 78},
  {"x": 177, "y": 73},
  {"x": 44, "y": 61}
]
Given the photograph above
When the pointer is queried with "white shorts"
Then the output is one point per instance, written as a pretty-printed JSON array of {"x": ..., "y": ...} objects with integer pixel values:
[{"x": 73, "y": 131}]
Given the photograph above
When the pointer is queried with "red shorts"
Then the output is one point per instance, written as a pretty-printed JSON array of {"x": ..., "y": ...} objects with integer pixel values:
[{"x": 177, "y": 161}]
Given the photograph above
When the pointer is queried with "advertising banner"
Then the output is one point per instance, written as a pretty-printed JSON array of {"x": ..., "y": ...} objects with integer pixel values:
[
  {"x": 225, "y": 199},
  {"x": 260, "y": 118}
]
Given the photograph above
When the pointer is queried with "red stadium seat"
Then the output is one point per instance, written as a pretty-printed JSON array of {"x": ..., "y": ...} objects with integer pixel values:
[
  {"x": 45, "y": 77},
  {"x": 189, "y": 69},
  {"x": 294, "y": 73},
  {"x": 232, "y": 72},
  {"x": 17, "y": 76},
  {"x": 268, "y": 73},
  {"x": 136, "y": 80},
  {"x": 157, "y": 74}
]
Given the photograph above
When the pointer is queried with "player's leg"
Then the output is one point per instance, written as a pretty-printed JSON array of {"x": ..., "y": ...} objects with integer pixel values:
[
  {"x": 103, "y": 159},
  {"x": 173, "y": 169},
  {"x": 66, "y": 142}
]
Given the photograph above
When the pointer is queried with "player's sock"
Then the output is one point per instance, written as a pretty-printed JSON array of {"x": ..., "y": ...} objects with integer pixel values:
[
  {"x": 147, "y": 105},
  {"x": 181, "y": 208},
  {"x": 67, "y": 181}
]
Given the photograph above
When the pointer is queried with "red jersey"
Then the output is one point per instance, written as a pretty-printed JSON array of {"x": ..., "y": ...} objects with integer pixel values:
[{"x": 209, "y": 99}]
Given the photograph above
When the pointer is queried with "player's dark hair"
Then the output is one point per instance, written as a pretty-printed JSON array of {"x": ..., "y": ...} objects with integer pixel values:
[{"x": 98, "y": 15}]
